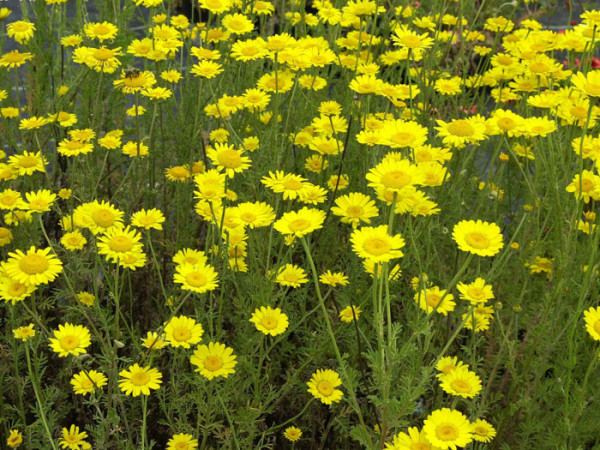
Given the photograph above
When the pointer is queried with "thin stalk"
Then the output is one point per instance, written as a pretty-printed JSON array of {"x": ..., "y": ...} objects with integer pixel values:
[
  {"x": 338, "y": 355},
  {"x": 144, "y": 416},
  {"x": 226, "y": 411},
  {"x": 36, "y": 389}
]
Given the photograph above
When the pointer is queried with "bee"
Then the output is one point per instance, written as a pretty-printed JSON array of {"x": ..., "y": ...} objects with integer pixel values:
[{"x": 132, "y": 72}]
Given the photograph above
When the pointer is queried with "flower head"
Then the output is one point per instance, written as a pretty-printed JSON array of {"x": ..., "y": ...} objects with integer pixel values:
[
  {"x": 21, "y": 31},
  {"x": 477, "y": 237},
  {"x": 182, "y": 441},
  {"x": 214, "y": 360},
  {"x": 414, "y": 440},
  {"x": 24, "y": 333},
  {"x": 292, "y": 434},
  {"x": 437, "y": 299},
  {"x": 592, "y": 322},
  {"x": 291, "y": 275},
  {"x": 33, "y": 268},
  {"x": 482, "y": 430},
  {"x": 350, "y": 313},
  {"x": 86, "y": 382},
  {"x": 269, "y": 321},
  {"x": 375, "y": 244},
  {"x": 138, "y": 380},
  {"x": 15, "y": 438},
  {"x": 70, "y": 340},
  {"x": 183, "y": 331},
  {"x": 461, "y": 382},
  {"x": 72, "y": 438},
  {"x": 448, "y": 428},
  {"x": 300, "y": 223},
  {"x": 196, "y": 277},
  {"x": 322, "y": 386}
]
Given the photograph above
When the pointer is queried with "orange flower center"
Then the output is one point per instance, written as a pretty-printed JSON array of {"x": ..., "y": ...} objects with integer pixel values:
[
  {"x": 460, "y": 386},
  {"x": 213, "y": 363},
  {"x": 14, "y": 57},
  {"x": 69, "y": 342},
  {"x": 299, "y": 224},
  {"x": 195, "y": 279},
  {"x": 268, "y": 322},
  {"x": 396, "y": 180},
  {"x": 477, "y": 240},
  {"x": 354, "y": 211},
  {"x": 446, "y": 432},
  {"x": 506, "y": 123},
  {"x": 433, "y": 300},
  {"x": 411, "y": 41},
  {"x": 229, "y": 158},
  {"x": 292, "y": 185},
  {"x": 28, "y": 161},
  {"x": 33, "y": 264},
  {"x": 16, "y": 289},
  {"x": 102, "y": 54},
  {"x": 103, "y": 218},
  {"x": 325, "y": 388},
  {"x": 120, "y": 244},
  {"x": 140, "y": 378},
  {"x": 101, "y": 29},
  {"x": 461, "y": 128},
  {"x": 182, "y": 334},
  {"x": 376, "y": 246}
]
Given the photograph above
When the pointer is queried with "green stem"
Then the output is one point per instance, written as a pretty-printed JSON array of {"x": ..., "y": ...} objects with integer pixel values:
[
  {"x": 162, "y": 285},
  {"x": 341, "y": 364},
  {"x": 36, "y": 389},
  {"x": 226, "y": 411},
  {"x": 144, "y": 415}
]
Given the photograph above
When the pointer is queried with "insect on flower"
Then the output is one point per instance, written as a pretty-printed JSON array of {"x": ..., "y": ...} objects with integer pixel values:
[{"x": 132, "y": 72}]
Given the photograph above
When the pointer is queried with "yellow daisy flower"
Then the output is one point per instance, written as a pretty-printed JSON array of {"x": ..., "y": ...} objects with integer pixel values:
[
  {"x": 214, "y": 360},
  {"x": 461, "y": 382},
  {"x": 447, "y": 428},
  {"x": 375, "y": 244},
  {"x": 592, "y": 322},
  {"x": 148, "y": 218},
  {"x": 300, "y": 223},
  {"x": 269, "y": 321},
  {"x": 182, "y": 441},
  {"x": 430, "y": 298},
  {"x": 70, "y": 340},
  {"x": 35, "y": 267},
  {"x": 86, "y": 382},
  {"x": 291, "y": 275},
  {"x": 136, "y": 380},
  {"x": 183, "y": 331},
  {"x": 477, "y": 237},
  {"x": 322, "y": 386},
  {"x": 197, "y": 278}
]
